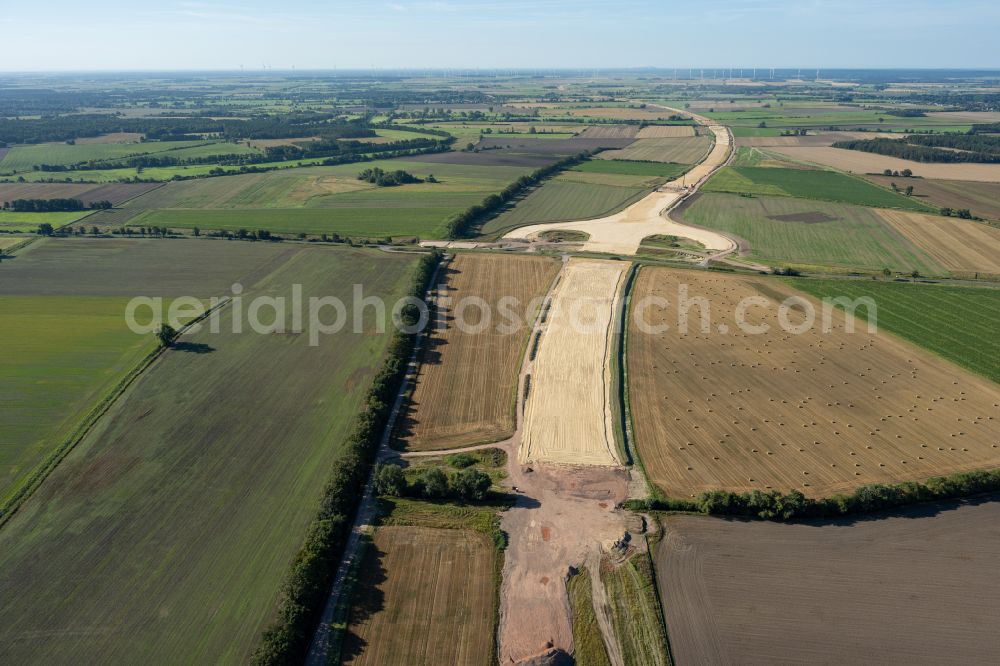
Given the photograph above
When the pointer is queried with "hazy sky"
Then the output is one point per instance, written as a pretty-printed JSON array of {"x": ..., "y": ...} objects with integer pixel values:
[{"x": 310, "y": 34}]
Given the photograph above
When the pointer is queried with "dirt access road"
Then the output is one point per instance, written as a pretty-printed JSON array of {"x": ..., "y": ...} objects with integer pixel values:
[{"x": 622, "y": 233}]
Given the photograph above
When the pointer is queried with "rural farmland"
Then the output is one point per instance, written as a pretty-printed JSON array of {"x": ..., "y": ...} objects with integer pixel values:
[
  {"x": 914, "y": 585},
  {"x": 485, "y": 363},
  {"x": 171, "y": 471},
  {"x": 693, "y": 385},
  {"x": 819, "y": 412}
]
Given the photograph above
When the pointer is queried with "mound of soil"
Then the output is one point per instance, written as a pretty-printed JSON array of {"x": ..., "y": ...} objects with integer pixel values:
[{"x": 814, "y": 217}]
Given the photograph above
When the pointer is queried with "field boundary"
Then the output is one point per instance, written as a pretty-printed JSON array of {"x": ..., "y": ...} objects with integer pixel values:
[
  {"x": 47, "y": 466},
  {"x": 620, "y": 408}
]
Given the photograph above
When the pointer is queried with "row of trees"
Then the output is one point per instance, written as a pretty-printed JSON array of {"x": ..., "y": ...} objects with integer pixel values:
[
  {"x": 908, "y": 148},
  {"x": 290, "y": 125},
  {"x": 469, "y": 484},
  {"x": 52, "y": 205},
  {"x": 308, "y": 582},
  {"x": 775, "y": 505},
  {"x": 460, "y": 224}
]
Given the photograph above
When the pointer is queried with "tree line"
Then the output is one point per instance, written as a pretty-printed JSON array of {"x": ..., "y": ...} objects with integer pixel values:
[
  {"x": 775, "y": 505},
  {"x": 461, "y": 223},
  {"x": 469, "y": 484},
  {"x": 308, "y": 582},
  {"x": 929, "y": 148},
  {"x": 52, "y": 205},
  {"x": 291, "y": 125}
]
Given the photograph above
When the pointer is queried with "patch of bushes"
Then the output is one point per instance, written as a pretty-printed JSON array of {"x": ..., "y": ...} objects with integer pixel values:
[
  {"x": 779, "y": 506},
  {"x": 468, "y": 484},
  {"x": 382, "y": 178},
  {"x": 308, "y": 583},
  {"x": 460, "y": 224}
]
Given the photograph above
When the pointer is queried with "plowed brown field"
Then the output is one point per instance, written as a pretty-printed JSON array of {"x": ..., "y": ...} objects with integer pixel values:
[
  {"x": 819, "y": 412},
  {"x": 917, "y": 587},
  {"x": 426, "y": 597},
  {"x": 466, "y": 387}
]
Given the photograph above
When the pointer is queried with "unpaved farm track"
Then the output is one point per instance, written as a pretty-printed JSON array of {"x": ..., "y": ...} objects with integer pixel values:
[
  {"x": 568, "y": 413},
  {"x": 622, "y": 233}
]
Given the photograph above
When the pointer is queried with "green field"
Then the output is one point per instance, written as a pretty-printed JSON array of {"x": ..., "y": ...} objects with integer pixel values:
[
  {"x": 166, "y": 534},
  {"x": 784, "y": 231},
  {"x": 30, "y": 221},
  {"x": 320, "y": 200},
  {"x": 23, "y": 158},
  {"x": 809, "y": 184},
  {"x": 632, "y": 168},
  {"x": 61, "y": 355},
  {"x": 372, "y": 222},
  {"x": 683, "y": 150},
  {"x": 558, "y": 200},
  {"x": 635, "y": 612},
  {"x": 959, "y": 323},
  {"x": 588, "y": 644}
]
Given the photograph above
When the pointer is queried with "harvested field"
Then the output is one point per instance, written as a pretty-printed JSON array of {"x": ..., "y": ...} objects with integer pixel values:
[
  {"x": 958, "y": 323},
  {"x": 958, "y": 245},
  {"x": 983, "y": 199},
  {"x": 687, "y": 150},
  {"x": 145, "y": 543},
  {"x": 786, "y": 230},
  {"x": 916, "y": 587},
  {"x": 568, "y": 415},
  {"x": 548, "y": 146},
  {"x": 485, "y": 364},
  {"x": 665, "y": 131},
  {"x": 810, "y": 140},
  {"x": 863, "y": 163},
  {"x": 613, "y": 112},
  {"x": 115, "y": 137},
  {"x": 426, "y": 596},
  {"x": 819, "y": 412},
  {"x": 87, "y": 193},
  {"x": 611, "y": 132},
  {"x": 488, "y": 158},
  {"x": 625, "y": 167},
  {"x": 966, "y": 117}
]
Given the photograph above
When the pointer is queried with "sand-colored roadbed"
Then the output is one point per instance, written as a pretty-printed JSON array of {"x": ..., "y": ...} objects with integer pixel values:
[
  {"x": 567, "y": 416},
  {"x": 622, "y": 233}
]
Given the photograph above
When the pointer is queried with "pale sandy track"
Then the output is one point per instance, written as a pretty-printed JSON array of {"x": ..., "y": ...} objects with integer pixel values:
[
  {"x": 623, "y": 232},
  {"x": 567, "y": 417}
]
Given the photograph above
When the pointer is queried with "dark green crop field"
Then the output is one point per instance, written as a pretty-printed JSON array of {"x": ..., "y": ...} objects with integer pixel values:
[
  {"x": 958, "y": 323},
  {"x": 809, "y": 184},
  {"x": 165, "y": 535}
]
